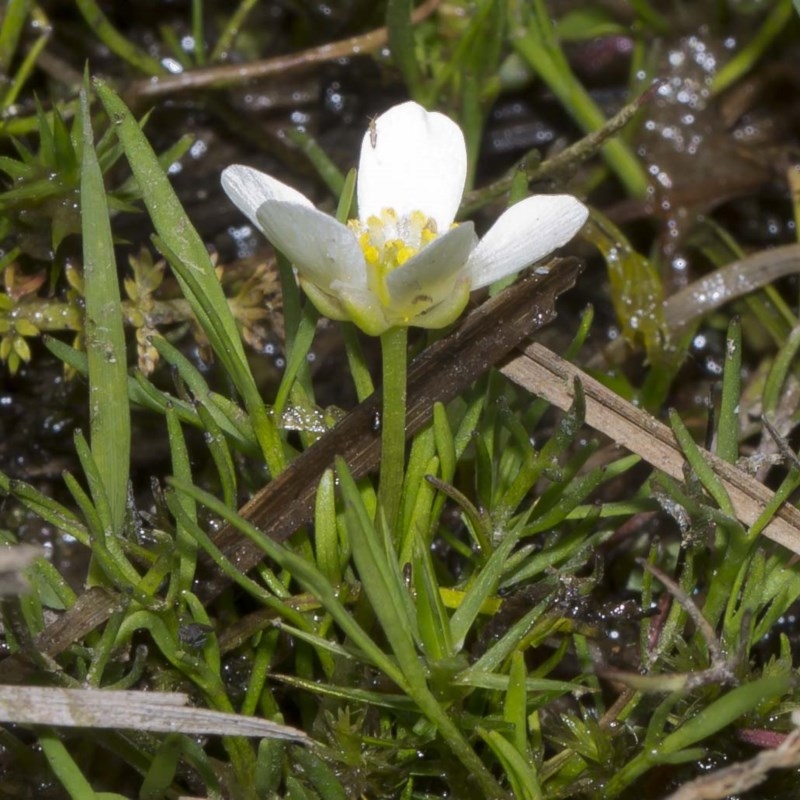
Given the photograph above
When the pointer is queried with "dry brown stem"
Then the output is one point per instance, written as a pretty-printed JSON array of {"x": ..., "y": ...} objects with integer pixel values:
[{"x": 545, "y": 374}]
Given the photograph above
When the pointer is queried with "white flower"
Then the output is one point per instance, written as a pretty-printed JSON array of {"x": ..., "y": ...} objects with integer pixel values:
[{"x": 403, "y": 261}]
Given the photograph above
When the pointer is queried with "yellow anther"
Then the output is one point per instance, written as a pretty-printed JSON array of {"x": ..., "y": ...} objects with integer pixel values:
[
  {"x": 403, "y": 254},
  {"x": 388, "y": 242}
]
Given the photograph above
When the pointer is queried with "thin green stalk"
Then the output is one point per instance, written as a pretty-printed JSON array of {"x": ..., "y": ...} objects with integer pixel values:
[
  {"x": 25, "y": 70},
  {"x": 231, "y": 30},
  {"x": 649, "y": 16},
  {"x": 744, "y": 60},
  {"x": 394, "y": 356},
  {"x": 401, "y": 43},
  {"x": 11, "y": 29},
  {"x": 115, "y": 41},
  {"x": 359, "y": 371},
  {"x": 198, "y": 32}
]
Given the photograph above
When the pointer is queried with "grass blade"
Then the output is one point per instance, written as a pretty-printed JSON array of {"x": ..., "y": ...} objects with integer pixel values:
[
  {"x": 187, "y": 254},
  {"x": 109, "y": 412}
]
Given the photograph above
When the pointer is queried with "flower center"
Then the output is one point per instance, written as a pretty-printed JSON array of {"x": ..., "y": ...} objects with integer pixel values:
[{"x": 388, "y": 241}]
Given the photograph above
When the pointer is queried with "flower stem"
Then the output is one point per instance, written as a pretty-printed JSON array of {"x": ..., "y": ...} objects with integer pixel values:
[{"x": 393, "y": 422}]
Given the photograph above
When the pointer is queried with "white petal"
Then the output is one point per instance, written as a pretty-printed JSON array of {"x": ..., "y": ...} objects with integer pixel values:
[
  {"x": 249, "y": 189},
  {"x": 424, "y": 273},
  {"x": 412, "y": 160},
  {"x": 321, "y": 249},
  {"x": 525, "y": 233}
]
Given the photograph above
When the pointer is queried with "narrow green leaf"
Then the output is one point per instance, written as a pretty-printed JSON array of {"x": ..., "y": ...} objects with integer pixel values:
[
  {"x": 115, "y": 41},
  {"x": 380, "y": 576},
  {"x": 710, "y": 720},
  {"x": 181, "y": 579},
  {"x": 64, "y": 767},
  {"x": 326, "y": 537},
  {"x": 306, "y": 574},
  {"x": 269, "y": 767},
  {"x": 99, "y": 499},
  {"x": 728, "y": 423},
  {"x": 319, "y": 774},
  {"x": 704, "y": 471},
  {"x": 162, "y": 768},
  {"x": 326, "y": 168},
  {"x": 221, "y": 453},
  {"x": 497, "y": 653},
  {"x": 109, "y": 412},
  {"x": 535, "y": 687},
  {"x": 297, "y": 357},
  {"x": 432, "y": 620},
  {"x": 13, "y": 22},
  {"x": 53, "y": 589},
  {"x": 520, "y": 772},
  {"x": 536, "y": 43},
  {"x": 724, "y": 711},
  {"x": 47, "y": 145},
  {"x": 480, "y": 588},
  {"x": 401, "y": 43},
  {"x": 782, "y": 494},
  {"x": 422, "y": 451},
  {"x": 445, "y": 442},
  {"x": 46, "y": 508},
  {"x": 189, "y": 258},
  {"x": 226, "y": 414},
  {"x": 785, "y": 359}
]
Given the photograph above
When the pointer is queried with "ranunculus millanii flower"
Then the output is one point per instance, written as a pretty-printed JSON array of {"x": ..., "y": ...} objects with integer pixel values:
[{"x": 403, "y": 261}]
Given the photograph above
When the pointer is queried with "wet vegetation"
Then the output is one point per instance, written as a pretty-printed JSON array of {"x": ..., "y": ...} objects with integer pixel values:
[{"x": 590, "y": 590}]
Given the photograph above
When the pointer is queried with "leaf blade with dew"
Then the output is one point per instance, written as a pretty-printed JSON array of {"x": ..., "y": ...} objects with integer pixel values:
[
  {"x": 189, "y": 258},
  {"x": 636, "y": 289},
  {"x": 319, "y": 774},
  {"x": 297, "y": 357},
  {"x": 109, "y": 411},
  {"x": 419, "y": 459}
]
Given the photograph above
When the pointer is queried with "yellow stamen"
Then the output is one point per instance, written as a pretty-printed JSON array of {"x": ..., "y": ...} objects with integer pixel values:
[{"x": 389, "y": 241}]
